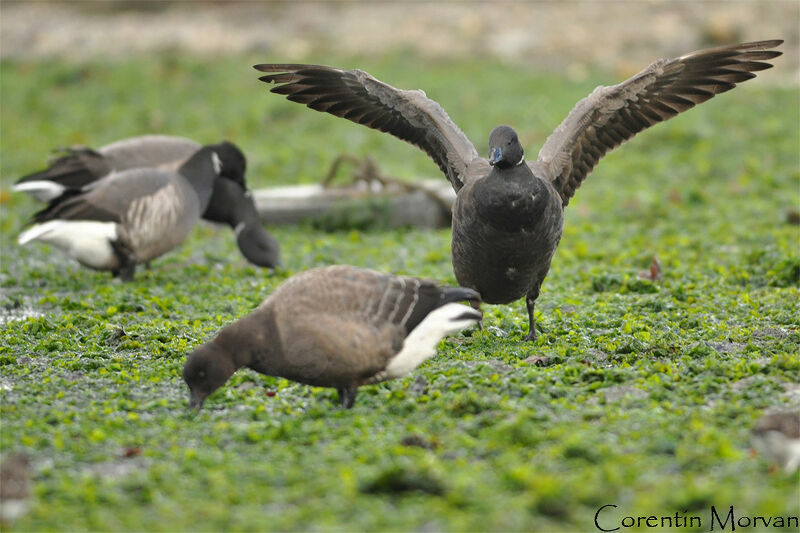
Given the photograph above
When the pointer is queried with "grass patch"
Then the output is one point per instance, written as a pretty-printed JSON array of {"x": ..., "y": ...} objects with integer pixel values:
[{"x": 649, "y": 390}]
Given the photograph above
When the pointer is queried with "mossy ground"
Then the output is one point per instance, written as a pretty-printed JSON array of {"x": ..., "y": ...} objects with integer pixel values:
[{"x": 646, "y": 399}]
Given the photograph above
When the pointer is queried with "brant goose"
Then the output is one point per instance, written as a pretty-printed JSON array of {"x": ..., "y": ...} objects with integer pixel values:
[
  {"x": 231, "y": 203},
  {"x": 337, "y": 326},
  {"x": 508, "y": 215},
  {"x": 131, "y": 216}
]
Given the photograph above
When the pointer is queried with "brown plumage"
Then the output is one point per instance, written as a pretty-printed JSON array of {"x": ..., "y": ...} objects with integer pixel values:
[
  {"x": 338, "y": 326},
  {"x": 507, "y": 220}
]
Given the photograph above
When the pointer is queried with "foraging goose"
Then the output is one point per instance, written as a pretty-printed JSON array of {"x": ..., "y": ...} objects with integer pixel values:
[
  {"x": 337, "y": 326},
  {"x": 231, "y": 202},
  {"x": 508, "y": 216},
  {"x": 130, "y": 216}
]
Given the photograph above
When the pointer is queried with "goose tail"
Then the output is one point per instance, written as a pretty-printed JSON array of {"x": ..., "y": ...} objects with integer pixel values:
[
  {"x": 76, "y": 169},
  {"x": 42, "y": 190},
  {"x": 421, "y": 343},
  {"x": 36, "y": 231}
]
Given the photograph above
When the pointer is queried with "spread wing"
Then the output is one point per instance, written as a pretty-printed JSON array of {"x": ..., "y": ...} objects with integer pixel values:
[
  {"x": 611, "y": 115},
  {"x": 357, "y": 96}
]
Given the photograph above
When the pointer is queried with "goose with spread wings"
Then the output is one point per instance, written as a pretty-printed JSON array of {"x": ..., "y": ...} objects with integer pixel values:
[{"x": 508, "y": 213}]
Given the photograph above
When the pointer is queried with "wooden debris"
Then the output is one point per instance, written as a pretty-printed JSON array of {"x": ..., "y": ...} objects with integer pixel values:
[{"x": 369, "y": 195}]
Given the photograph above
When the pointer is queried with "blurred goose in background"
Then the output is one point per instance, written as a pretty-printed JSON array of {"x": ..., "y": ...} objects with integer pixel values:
[
  {"x": 337, "y": 326},
  {"x": 231, "y": 202},
  {"x": 131, "y": 216},
  {"x": 777, "y": 437},
  {"x": 15, "y": 487},
  {"x": 508, "y": 214}
]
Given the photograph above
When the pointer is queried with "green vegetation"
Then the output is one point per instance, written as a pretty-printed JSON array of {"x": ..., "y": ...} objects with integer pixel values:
[{"x": 645, "y": 398}]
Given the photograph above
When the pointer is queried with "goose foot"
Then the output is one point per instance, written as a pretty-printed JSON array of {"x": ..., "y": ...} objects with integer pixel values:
[
  {"x": 347, "y": 396},
  {"x": 127, "y": 260}
]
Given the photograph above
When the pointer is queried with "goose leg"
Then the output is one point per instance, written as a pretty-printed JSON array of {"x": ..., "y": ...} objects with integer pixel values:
[
  {"x": 477, "y": 306},
  {"x": 529, "y": 303},
  {"x": 347, "y": 396},
  {"x": 127, "y": 260}
]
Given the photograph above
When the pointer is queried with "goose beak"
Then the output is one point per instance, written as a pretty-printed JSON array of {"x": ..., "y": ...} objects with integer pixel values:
[
  {"x": 495, "y": 156},
  {"x": 196, "y": 400}
]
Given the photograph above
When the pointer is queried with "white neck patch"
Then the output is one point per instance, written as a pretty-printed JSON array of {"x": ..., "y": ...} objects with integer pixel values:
[
  {"x": 217, "y": 162},
  {"x": 521, "y": 160},
  {"x": 239, "y": 228}
]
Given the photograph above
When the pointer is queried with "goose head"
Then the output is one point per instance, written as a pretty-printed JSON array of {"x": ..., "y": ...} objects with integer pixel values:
[{"x": 505, "y": 151}]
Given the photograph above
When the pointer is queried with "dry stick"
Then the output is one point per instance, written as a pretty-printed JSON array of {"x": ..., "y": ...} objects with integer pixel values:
[{"x": 368, "y": 172}]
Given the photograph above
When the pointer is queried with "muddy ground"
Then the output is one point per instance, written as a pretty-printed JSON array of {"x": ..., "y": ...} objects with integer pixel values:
[{"x": 564, "y": 36}]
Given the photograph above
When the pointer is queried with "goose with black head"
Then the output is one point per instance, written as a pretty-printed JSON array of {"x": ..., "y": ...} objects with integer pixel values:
[{"x": 508, "y": 215}]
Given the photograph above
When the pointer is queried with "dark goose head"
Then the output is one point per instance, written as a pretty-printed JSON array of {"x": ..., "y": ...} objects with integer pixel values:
[
  {"x": 504, "y": 148},
  {"x": 257, "y": 245},
  {"x": 233, "y": 205},
  {"x": 206, "y": 370}
]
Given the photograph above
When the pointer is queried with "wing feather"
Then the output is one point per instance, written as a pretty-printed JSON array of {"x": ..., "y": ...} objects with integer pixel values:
[
  {"x": 358, "y": 97},
  {"x": 612, "y": 115}
]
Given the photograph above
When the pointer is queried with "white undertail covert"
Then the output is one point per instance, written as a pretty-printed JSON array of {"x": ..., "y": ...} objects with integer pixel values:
[{"x": 421, "y": 343}]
